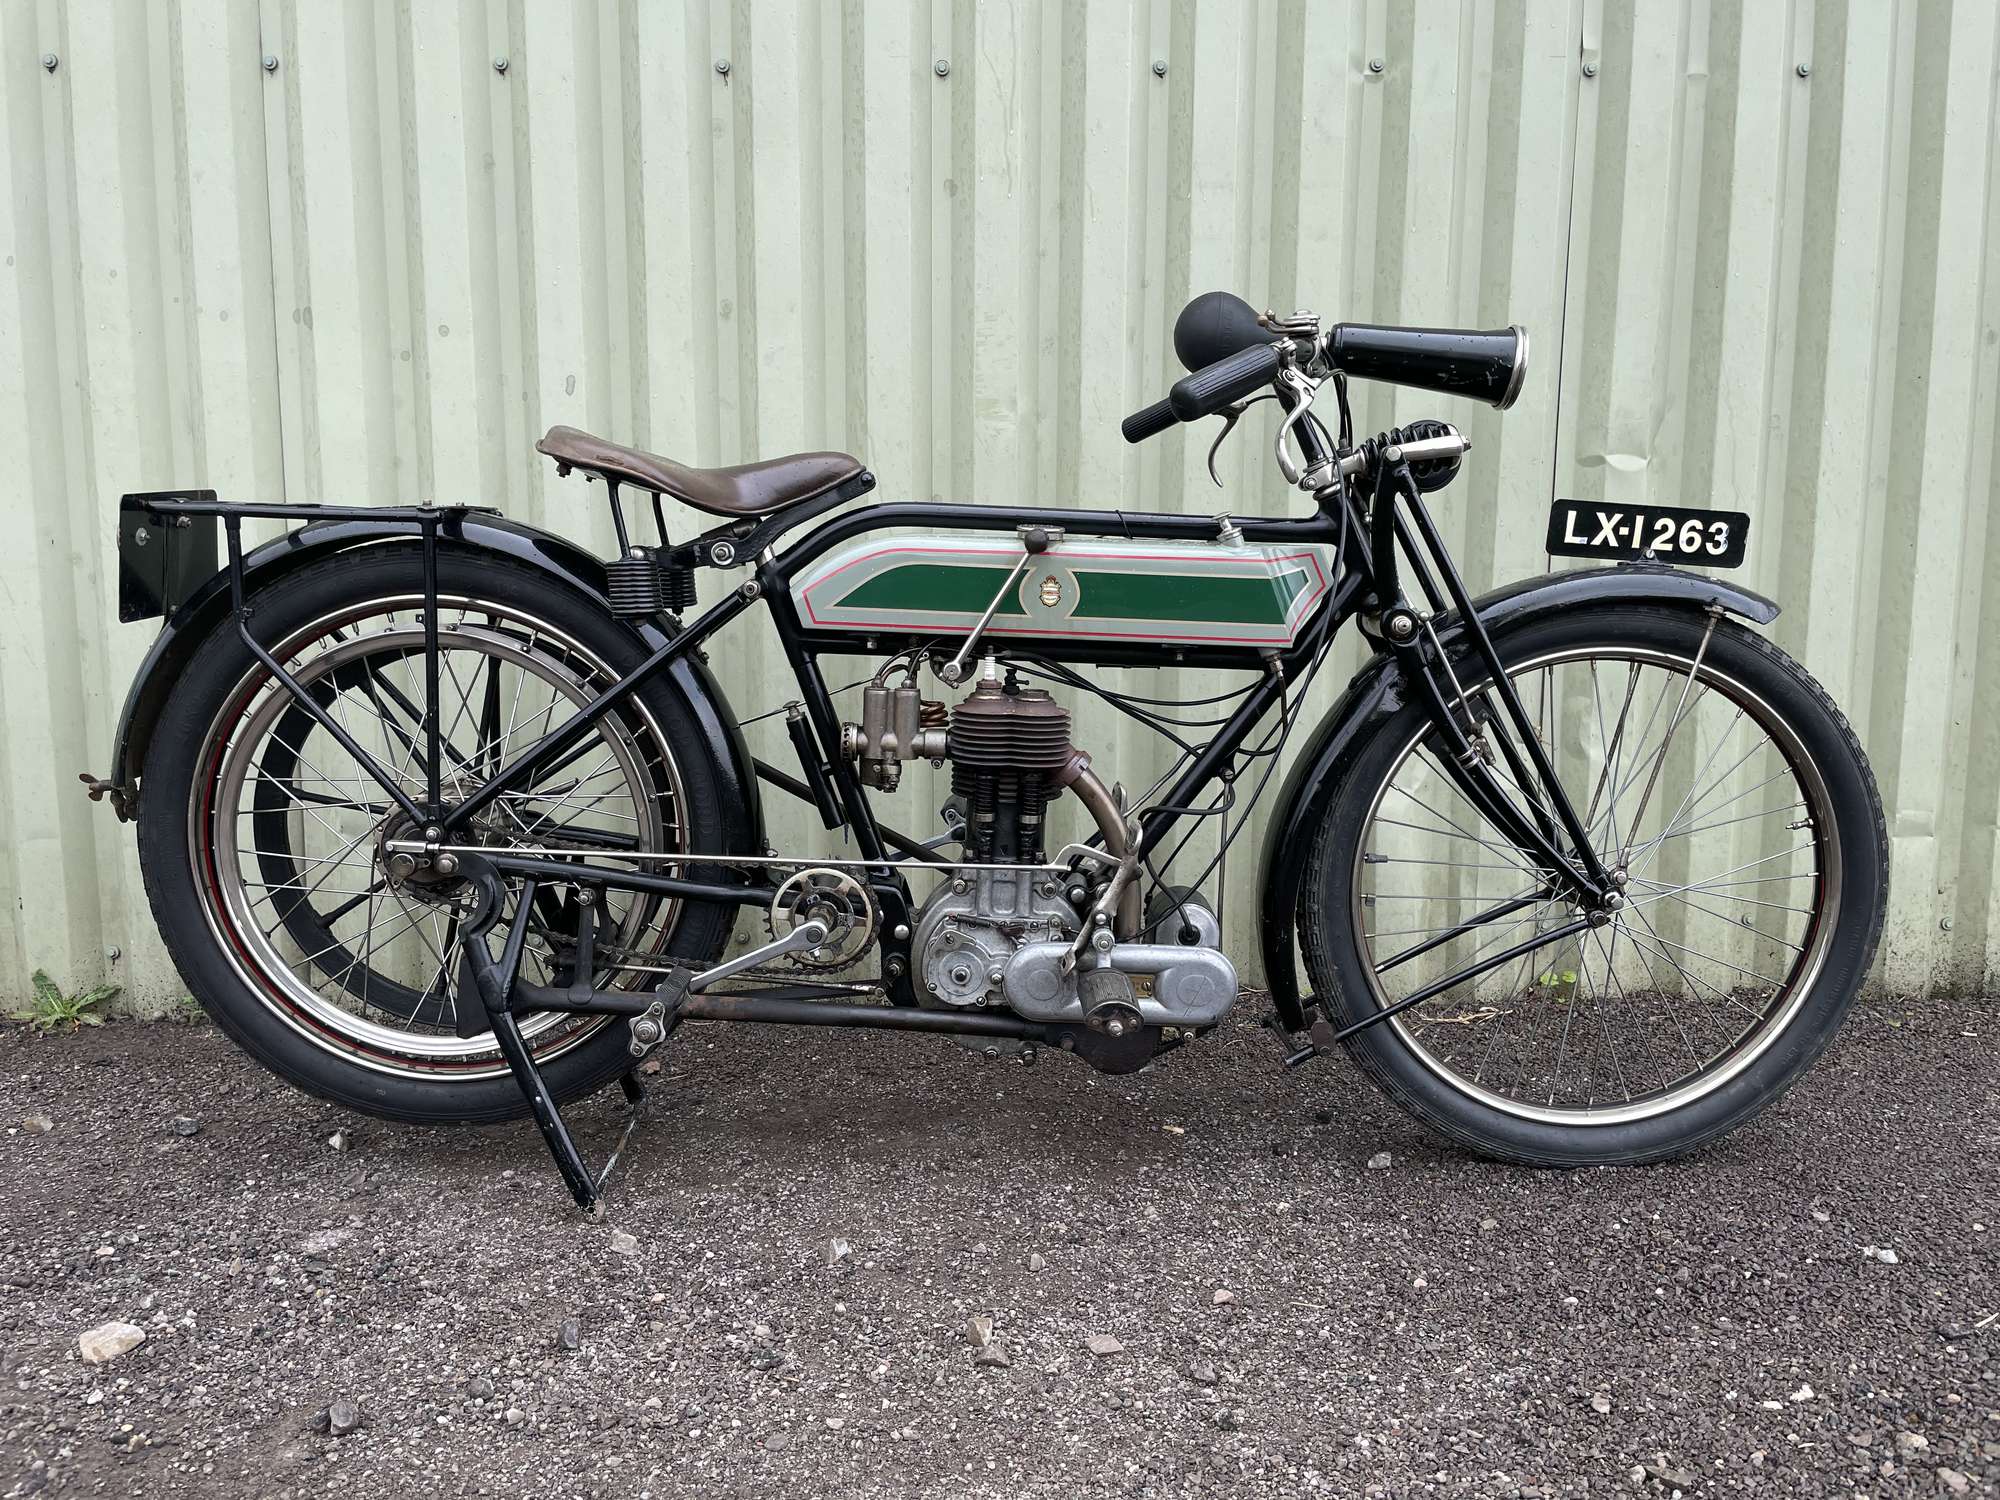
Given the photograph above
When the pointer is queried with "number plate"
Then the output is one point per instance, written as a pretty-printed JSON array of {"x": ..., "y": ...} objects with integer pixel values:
[{"x": 1664, "y": 533}]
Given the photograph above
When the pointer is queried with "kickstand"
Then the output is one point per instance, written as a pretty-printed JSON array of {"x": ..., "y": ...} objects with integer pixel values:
[{"x": 496, "y": 984}]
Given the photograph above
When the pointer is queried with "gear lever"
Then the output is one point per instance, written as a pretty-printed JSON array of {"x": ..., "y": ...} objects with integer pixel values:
[{"x": 1035, "y": 540}]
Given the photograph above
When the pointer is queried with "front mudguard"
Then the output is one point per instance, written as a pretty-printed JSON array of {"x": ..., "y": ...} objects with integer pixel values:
[
  {"x": 562, "y": 560},
  {"x": 1378, "y": 691}
]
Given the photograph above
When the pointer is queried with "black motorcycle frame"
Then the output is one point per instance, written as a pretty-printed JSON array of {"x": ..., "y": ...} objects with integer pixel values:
[{"x": 1375, "y": 517}]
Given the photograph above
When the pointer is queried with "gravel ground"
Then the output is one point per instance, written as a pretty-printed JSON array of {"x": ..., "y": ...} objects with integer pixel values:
[{"x": 1293, "y": 1318}]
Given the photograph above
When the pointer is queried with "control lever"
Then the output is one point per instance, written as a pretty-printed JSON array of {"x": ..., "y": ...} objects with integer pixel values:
[
  {"x": 1303, "y": 391},
  {"x": 1231, "y": 415},
  {"x": 1035, "y": 540}
]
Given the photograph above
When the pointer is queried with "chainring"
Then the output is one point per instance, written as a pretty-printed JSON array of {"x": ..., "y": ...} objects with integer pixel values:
[{"x": 834, "y": 897}]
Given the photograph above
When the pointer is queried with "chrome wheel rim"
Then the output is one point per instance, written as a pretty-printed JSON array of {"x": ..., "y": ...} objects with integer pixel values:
[
  {"x": 622, "y": 783},
  {"x": 1731, "y": 873}
]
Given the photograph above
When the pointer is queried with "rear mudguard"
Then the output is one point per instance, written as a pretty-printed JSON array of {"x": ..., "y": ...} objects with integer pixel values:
[
  {"x": 1377, "y": 692},
  {"x": 562, "y": 560}
]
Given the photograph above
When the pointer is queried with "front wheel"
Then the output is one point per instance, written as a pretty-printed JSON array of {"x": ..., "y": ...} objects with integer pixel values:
[{"x": 1730, "y": 800}]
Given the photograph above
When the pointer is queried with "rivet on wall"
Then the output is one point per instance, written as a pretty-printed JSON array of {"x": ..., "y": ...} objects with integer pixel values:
[
  {"x": 49, "y": 61},
  {"x": 722, "y": 67},
  {"x": 1376, "y": 65},
  {"x": 500, "y": 64},
  {"x": 942, "y": 68},
  {"x": 1160, "y": 68},
  {"x": 270, "y": 63},
  {"x": 1805, "y": 70},
  {"x": 1590, "y": 70}
]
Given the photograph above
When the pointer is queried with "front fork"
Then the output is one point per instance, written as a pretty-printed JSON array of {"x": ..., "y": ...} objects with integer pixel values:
[
  {"x": 1550, "y": 821},
  {"x": 1548, "y": 829}
]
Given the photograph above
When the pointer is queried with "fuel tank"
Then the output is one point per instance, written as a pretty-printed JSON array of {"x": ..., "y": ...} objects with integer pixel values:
[{"x": 1082, "y": 589}]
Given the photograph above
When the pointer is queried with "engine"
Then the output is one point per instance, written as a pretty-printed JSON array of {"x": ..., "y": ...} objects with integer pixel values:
[
  {"x": 1009, "y": 750},
  {"x": 1010, "y": 756},
  {"x": 1007, "y": 930}
]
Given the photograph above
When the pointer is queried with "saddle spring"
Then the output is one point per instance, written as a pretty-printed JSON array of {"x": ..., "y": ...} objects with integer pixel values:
[{"x": 641, "y": 584}]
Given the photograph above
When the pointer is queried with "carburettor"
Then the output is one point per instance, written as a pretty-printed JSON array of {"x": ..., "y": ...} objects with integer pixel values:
[{"x": 897, "y": 724}]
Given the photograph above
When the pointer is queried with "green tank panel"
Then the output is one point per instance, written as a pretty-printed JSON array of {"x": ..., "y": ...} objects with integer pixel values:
[{"x": 1177, "y": 593}]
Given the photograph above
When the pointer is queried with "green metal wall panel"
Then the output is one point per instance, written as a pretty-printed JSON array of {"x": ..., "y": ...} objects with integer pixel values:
[{"x": 1755, "y": 242}]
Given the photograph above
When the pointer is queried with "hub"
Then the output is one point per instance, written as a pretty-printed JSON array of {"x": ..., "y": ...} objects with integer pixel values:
[{"x": 428, "y": 876}]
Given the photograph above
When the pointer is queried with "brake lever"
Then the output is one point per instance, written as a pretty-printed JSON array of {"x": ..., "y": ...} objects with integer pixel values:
[
  {"x": 1304, "y": 390},
  {"x": 1231, "y": 415}
]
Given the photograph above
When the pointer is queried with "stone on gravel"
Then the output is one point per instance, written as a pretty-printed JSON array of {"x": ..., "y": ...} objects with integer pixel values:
[
  {"x": 1036, "y": 1263},
  {"x": 623, "y": 1243},
  {"x": 515, "y": 1416},
  {"x": 1201, "y": 1372},
  {"x": 1601, "y": 1404},
  {"x": 38, "y": 1124},
  {"x": 1223, "y": 1297},
  {"x": 1803, "y": 1393},
  {"x": 777, "y": 1442},
  {"x": 1911, "y": 1442},
  {"x": 980, "y": 1331},
  {"x": 322, "y": 1241},
  {"x": 837, "y": 1251},
  {"x": 1955, "y": 1482},
  {"x": 1103, "y": 1345},
  {"x": 479, "y": 1388},
  {"x": 185, "y": 1125},
  {"x": 1881, "y": 1253},
  {"x": 1668, "y": 1473},
  {"x": 343, "y": 1417},
  {"x": 340, "y": 1140},
  {"x": 104, "y": 1343},
  {"x": 993, "y": 1357},
  {"x": 1489, "y": 1224},
  {"x": 569, "y": 1335},
  {"x": 1381, "y": 1161}
]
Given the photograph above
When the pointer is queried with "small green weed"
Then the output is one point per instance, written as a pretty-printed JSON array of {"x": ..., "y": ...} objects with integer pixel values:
[
  {"x": 54, "y": 1010},
  {"x": 1557, "y": 984}
]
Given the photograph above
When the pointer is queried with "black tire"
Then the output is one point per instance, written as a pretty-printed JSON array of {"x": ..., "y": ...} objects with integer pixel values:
[
  {"x": 255, "y": 1016},
  {"x": 1347, "y": 984}
]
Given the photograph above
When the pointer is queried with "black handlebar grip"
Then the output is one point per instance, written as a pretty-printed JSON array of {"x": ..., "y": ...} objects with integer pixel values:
[
  {"x": 1215, "y": 386},
  {"x": 1143, "y": 424}
]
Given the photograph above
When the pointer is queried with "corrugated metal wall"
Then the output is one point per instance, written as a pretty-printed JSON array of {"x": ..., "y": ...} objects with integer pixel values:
[{"x": 353, "y": 252}]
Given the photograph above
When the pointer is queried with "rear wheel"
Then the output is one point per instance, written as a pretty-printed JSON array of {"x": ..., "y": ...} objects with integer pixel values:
[
  {"x": 1737, "y": 810},
  {"x": 263, "y": 840}
]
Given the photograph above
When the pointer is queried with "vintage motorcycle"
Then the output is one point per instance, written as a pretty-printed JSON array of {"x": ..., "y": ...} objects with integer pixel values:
[{"x": 445, "y": 819}]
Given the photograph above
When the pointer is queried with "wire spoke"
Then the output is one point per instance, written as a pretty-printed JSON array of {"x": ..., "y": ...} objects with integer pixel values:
[
  {"x": 369, "y": 961},
  {"x": 1645, "y": 1009}
]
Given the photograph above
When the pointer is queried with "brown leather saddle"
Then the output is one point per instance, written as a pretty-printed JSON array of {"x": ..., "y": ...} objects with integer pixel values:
[{"x": 742, "y": 490}]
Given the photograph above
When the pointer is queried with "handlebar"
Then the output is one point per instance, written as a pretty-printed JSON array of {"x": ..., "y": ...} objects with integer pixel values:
[
  {"x": 1215, "y": 386},
  {"x": 1205, "y": 392},
  {"x": 1233, "y": 350},
  {"x": 1256, "y": 352}
]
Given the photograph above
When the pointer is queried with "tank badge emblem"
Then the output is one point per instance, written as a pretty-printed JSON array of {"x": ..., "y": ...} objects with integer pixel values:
[{"x": 1051, "y": 591}]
